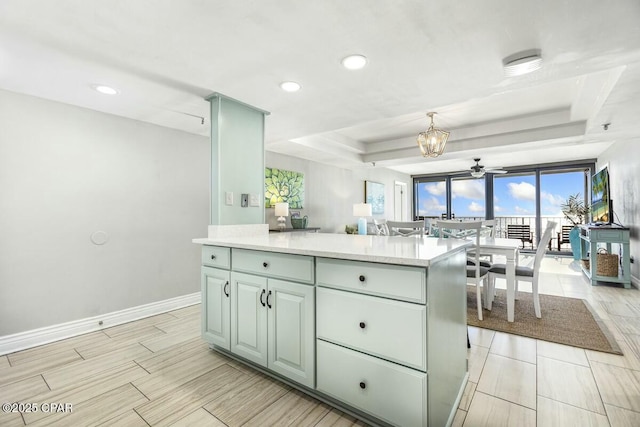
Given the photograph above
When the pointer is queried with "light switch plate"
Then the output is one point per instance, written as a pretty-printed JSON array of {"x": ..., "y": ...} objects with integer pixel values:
[
  {"x": 228, "y": 198},
  {"x": 244, "y": 200},
  {"x": 254, "y": 200}
]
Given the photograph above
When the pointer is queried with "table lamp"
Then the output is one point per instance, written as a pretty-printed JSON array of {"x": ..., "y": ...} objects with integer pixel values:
[
  {"x": 362, "y": 210},
  {"x": 282, "y": 210}
]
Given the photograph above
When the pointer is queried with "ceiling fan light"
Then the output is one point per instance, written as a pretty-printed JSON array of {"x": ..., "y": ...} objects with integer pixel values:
[
  {"x": 522, "y": 63},
  {"x": 477, "y": 174},
  {"x": 433, "y": 140}
]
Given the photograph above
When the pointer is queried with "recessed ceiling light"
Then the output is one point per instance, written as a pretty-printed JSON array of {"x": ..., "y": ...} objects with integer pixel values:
[
  {"x": 354, "y": 62},
  {"x": 290, "y": 86},
  {"x": 522, "y": 62},
  {"x": 106, "y": 90}
]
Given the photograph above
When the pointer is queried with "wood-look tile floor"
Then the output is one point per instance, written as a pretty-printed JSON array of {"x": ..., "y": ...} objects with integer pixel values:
[{"x": 158, "y": 372}]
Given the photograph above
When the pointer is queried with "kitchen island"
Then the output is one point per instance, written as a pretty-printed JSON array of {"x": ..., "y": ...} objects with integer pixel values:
[{"x": 374, "y": 325}]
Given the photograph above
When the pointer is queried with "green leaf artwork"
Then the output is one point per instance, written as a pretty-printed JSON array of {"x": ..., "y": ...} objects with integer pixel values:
[{"x": 283, "y": 186}]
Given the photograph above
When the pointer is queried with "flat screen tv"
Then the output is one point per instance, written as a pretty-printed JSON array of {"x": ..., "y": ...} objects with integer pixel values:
[{"x": 600, "y": 201}]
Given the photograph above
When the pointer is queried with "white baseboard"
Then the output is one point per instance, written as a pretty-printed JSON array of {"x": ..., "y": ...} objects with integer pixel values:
[
  {"x": 635, "y": 282},
  {"x": 36, "y": 337}
]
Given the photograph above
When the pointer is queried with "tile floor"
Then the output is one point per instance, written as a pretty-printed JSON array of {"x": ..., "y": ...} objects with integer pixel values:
[
  {"x": 518, "y": 381},
  {"x": 158, "y": 372}
]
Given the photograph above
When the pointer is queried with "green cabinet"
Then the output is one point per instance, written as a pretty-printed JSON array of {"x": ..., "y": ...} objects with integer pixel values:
[
  {"x": 216, "y": 300},
  {"x": 272, "y": 325},
  {"x": 256, "y": 308}
]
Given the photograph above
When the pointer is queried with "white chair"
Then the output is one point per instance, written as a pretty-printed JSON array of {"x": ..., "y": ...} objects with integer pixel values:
[
  {"x": 406, "y": 228},
  {"x": 490, "y": 225},
  {"x": 488, "y": 230},
  {"x": 476, "y": 272},
  {"x": 529, "y": 274},
  {"x": 381, "y": 227}
]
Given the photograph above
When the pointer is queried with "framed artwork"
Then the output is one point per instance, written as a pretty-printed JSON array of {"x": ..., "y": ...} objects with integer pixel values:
[
  {"x": 374, "y": 195},
  {"x": 283, "y": 186}
]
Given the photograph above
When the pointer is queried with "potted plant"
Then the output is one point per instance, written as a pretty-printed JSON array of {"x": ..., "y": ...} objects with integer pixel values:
[{"x": 575, "y": 211}]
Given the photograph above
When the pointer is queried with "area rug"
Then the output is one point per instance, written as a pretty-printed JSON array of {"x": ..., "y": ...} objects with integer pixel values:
[{"x": 569, "y": 321}]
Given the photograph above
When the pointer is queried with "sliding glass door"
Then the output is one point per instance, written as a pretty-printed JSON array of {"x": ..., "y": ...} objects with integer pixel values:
[
  {"x": 468, "y": 198},
  {"x": 555, "y": 187},
  {"x": 514, "y": 206},
  {"x": 430, "y": 198},
  {"x": 522, "y": 201}
]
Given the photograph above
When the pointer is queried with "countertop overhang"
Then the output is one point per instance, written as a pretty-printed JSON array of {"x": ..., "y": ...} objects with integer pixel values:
[{"x": 411, "y": 250}]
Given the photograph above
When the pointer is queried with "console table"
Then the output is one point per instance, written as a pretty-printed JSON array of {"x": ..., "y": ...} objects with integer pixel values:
[{"x": 591, "y": 236}]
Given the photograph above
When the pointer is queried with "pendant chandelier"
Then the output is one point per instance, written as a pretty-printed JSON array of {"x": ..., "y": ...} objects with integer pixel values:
[{"x": 432, "y": 141}]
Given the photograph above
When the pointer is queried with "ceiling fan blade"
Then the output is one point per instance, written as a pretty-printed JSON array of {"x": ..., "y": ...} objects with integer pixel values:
[
  {"x": 495, "y": 171},
  {"x": 459, "y": 173}
]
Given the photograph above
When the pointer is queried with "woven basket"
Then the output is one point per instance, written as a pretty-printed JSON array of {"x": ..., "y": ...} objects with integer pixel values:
[{"x": 606, "y": 264}]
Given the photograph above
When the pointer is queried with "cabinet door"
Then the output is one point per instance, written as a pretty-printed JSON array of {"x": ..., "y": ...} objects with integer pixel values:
[
  {"x": 249, "y": 317},
  {"x": 291, "y": 330},
  {"x": 216, "y": 326}
]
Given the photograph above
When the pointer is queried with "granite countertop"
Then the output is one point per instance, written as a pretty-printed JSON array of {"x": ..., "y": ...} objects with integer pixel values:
[{"x": 411, "y": 250}]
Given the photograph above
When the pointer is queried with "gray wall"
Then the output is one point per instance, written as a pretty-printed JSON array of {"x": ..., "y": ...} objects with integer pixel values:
[
  {"x": 67, "y": 172},
  {"x": 330, "y": 192},
  {"x": 623, "y": 159}
]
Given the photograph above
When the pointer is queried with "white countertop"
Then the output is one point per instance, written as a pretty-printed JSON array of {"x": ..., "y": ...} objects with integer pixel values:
[{"x": 411, "y": 250}]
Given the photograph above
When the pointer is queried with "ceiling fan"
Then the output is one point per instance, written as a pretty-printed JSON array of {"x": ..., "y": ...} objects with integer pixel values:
[{"x": 478, "y": 171}]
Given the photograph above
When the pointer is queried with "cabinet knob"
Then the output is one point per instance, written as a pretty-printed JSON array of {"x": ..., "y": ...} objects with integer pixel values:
[
  {"x": 213, "y": 257},
  {"x": 363, "y": 325},
  {"x": 265, "y": 264},
  {"x": 363, "y": 385},
  {"x": 362, "y": 278}
]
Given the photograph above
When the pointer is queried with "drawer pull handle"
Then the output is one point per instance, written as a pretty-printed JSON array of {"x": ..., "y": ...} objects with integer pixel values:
[
  {"x": 265, "y": 264},
  {"x": 362, "y": 278},
  {"x": 226, "y": 286},
  {"x": 261, "y": 296},
  {"x": 213, "y": 257},
  {"x": 268, "y": 295},
  {"x": 363, "y": 325},
  {"x": 363, "y": 385}
]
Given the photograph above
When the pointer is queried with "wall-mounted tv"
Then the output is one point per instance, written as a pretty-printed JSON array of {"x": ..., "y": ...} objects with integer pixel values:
[{"x": 600, "y": 201}]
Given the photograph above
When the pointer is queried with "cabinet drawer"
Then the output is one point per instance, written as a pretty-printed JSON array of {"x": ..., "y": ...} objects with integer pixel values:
[
  {"x": 216, "y": 256},
  {"x": 390, "y": 281},
  {"x": 282, "y": 266},
  {"x": 390, "y": 329},
  {"x": 608, "y": 235},
  {"x": 393, "y": 393}
]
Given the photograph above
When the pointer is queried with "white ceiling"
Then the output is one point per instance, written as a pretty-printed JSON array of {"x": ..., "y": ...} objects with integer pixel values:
[{"x": 166, "y": 56}]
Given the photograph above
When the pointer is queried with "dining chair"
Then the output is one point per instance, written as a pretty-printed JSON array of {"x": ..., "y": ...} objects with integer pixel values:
[
  {"x": 381, "y": 227},
  {"x": 490, "y": 225},
  {"x": 529, "y": 274},
  {"x": 488, "y": 230},
  {"x": 476, "y": 273},
  {"x": 406, "y": 228}
]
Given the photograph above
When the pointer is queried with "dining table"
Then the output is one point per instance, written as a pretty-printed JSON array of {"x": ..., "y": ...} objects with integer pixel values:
[{"x": 489, "y": 245}]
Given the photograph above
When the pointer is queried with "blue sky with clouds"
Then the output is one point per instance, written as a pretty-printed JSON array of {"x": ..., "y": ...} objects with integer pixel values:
[{"x": 513, "y": 195}]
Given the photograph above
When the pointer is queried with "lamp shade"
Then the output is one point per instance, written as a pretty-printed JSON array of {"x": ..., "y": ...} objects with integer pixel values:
[
  {"x": 282, "y": 209},
  {"x": 362, "y": 209}
]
